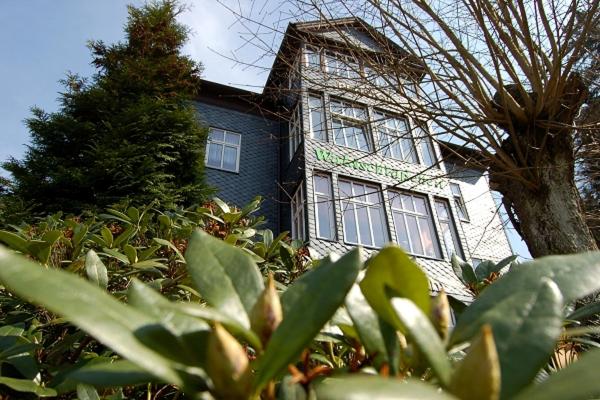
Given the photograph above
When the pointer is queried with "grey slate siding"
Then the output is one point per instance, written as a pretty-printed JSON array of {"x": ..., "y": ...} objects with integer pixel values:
[{"x": 259, "y": 159}]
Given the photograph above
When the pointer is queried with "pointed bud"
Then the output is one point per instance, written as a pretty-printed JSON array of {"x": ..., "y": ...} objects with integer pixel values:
[
  {"x": 266, "y": 313},
  {"x": 440, "y": 314},
  {"x": 477, "y": 377},
  {"x": 227, "y": 365}
]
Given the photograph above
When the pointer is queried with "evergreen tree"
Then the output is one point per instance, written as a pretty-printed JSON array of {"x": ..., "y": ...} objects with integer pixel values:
[{"x": 128, "y": 133}]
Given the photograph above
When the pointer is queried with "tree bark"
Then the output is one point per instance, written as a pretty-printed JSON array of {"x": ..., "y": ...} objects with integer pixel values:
[{"x": 550, "y": 216}]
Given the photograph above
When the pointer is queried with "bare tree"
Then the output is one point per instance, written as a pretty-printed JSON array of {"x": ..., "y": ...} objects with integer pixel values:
[{"x": 499, "y": 77}]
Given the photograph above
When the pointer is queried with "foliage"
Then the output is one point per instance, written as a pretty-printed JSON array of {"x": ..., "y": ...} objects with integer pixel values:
[
  {"x": 109, "y": 250},
  {"x": 342, "y": 330},
  {"x": 128, "y": 132},
  {"x": 477, "y": 279}
]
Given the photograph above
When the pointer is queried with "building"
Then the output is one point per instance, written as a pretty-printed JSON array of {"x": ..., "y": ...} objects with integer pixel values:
[{"x": 337, "y": 167}]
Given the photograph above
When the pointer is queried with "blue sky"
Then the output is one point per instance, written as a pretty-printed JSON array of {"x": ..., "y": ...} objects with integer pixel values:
[{"x": 41, "y": 40}]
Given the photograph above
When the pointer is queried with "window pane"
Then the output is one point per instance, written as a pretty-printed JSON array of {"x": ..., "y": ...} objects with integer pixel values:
[
  {"x": 318, "y": 128},
  {"x": 322, "y": 184},
  {"x": 313, "y": 58},
  {"x": 378, "y": 224},
  {"x": 345, "y": 189},
  {"x": 361, "y": 138},
  {"x": 349, "y": 223},
  {"x": 420, "y": 205},
  {"x": 324, "y": 215},
  {"x": 395, "y": 198},
  {"x": 427, "y": 152},
  {"x": 408, "y": 149},
  {"x": 232, "y": 138},
  {"x": 427, "y": 238},
  {"x": 413, "y": 231},
  {"x": 364, "y": 227},
  {"x": 359, "y": 192},
  {"x": 214, "y": 155},
  {"x": 407, "y": 202},
  {"x": 230, "y": 158},
  {"x": 338, "y": 132},
  {"x": 216, "y": 134},
  {"x": 401, "y": 231},
  {"x": 460, "y": 208},
  {"x": 455, "y": 189},
  {"x": 442, "y": 210}
]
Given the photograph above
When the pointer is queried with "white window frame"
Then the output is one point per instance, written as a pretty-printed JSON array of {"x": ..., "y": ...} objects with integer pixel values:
[
  {"x": 223, "y": 144},
  {"x": 428, "y": 217},
  {"x": 353, "y": 202},
  {"x": 319, "y": 197},
  {"x": 345, "y": 66},
  {"x": 459, "y": 202},
  {"x": 295, "y": 130},
  {"x": 313, "y": 50},
  {"x": 297, "y": 205},
  {"x": 424, "y": 139},
  {"x": 321, "y": 108},
  {"x": 395, "y": 135},
  {"x": 354, "y": 119},
  {"x": 450, "y": 222}
]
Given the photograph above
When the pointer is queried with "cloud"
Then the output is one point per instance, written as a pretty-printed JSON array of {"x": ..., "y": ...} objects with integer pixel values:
[{"x": 219, "y": 38}]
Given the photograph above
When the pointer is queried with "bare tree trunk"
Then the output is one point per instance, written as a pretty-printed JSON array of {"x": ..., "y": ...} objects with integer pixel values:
[{"x": 550, "y": 217}]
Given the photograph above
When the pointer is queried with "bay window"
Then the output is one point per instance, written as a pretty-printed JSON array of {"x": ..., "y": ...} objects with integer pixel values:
[
  {"x": 363, "y": 214},
  {"x": 413, "y": 224},
  {"x": 349, "y": 125},
  {"x": 323, "y": 198},
  {"x": 395, "y": 140},
  {"x": 448, "y": 229}
]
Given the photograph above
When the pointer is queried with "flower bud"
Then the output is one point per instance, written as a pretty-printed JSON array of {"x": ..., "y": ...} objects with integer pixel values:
[
  {"x": 440, "y": 314},
  {"x": 266, "y": 313},
  {"x": 227, "y": 365}
]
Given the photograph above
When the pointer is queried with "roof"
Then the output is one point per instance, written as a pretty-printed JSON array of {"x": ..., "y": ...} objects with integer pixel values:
[
  {"x": 235, "y": 98},
  {"x": 298, "y": 31}
]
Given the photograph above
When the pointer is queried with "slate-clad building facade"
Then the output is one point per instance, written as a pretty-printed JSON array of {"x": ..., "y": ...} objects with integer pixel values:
[{"x": 339, "y": 169}]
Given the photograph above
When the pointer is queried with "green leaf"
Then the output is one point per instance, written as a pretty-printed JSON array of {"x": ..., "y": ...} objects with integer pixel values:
[
  {"x": 222, "y": 205},
  {"x": 578, "y": 381},
  {"x": 393, "y": 273},
  {"x": 226, "y": 277},
  {"x": 463, "y": 270},
  {"x": 418, "y": 327},
  {"x": 360, "y": 387},
  {"x": 477, "y": 377},
  {"x": 95, "y": 269},
  {"x": 125, "y": 235},
  {"x": 117, "y": 373},
  {"x": 116, "y": 254},
  {"x": 131, "y": 253},
  {"x": 526, "y": 325},
  {"x": 14, "y": 241},
  {"x": 107, "y": 236},
  {"x": 27, "y": 386},
  {"x": 576, "y": 275},
  {"x": 485, "y": 269},
  {"x": 171, "y": 246},
  {"x": 86, "y": 306},
  {"x": 87, "y": 392},
  {"x": 585, "y": 312},
  {"x": 368, "y": 326},
  {"x": 307, "y": 305}
]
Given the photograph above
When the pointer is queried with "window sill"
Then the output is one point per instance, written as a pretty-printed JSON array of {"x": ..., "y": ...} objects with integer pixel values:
[{"x": 237, "y": 172}]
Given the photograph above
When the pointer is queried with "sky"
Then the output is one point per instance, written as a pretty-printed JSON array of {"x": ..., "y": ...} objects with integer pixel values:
[{"x": 42, "y": 40}]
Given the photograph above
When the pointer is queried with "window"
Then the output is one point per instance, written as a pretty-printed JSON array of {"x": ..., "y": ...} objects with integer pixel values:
[
  {"x": 324, "y": 207},
  {"x": 363, "y": 214},
  {"x": 349, "y": 128},
  {"x": 297, "y": 204},
  {"x": 449, "y": 233},
  {"x": 459, "y": 202},
  {"x": 342, "y": 66},
  {"x": 223, "y": 150},
  {"x": 294, "y": 75},
  {"x": 427, "y": 151},
  {"x": 317, "y": 118},
  {"x": 413, "y": 223},
  {"x": 295, "y": 127},
  {"x": 313, "y": 58},
  {"x": 394, "y": 138}
]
